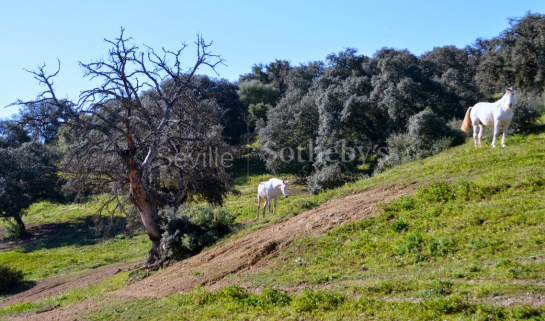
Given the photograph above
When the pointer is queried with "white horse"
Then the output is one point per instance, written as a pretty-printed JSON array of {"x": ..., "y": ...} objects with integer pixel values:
[
  {"x": 494, "y": 115},
  {"x": 268, "y": 190}
]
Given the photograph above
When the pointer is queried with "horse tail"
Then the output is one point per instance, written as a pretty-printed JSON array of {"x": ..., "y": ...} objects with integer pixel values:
[{"x": 467, "y": 121}]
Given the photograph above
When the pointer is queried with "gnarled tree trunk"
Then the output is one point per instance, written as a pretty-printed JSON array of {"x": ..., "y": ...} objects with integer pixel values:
[
  {"x": 147, "y": 208},
  {"x": 21, "y": 224}
]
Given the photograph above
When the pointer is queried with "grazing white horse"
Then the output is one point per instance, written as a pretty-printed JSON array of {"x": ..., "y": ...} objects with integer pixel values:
[
  {"x": 268, "y": 190},
  {"x": 494, "y": 115}
]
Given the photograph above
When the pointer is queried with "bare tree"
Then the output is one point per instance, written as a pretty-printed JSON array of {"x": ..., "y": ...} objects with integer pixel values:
[{"x": 143, "y": 130}]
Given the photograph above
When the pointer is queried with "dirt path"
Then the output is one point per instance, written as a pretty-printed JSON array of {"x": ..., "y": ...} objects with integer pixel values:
[{"x": 48, "y": 287}]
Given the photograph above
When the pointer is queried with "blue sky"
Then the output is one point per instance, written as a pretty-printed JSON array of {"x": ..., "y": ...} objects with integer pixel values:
[{"x": 244, "y": 32}]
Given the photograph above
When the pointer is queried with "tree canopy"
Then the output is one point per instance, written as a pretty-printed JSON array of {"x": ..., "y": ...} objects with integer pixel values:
[
  {"x": 151, "y": 131},
  {"x": 27, "y": 173}
]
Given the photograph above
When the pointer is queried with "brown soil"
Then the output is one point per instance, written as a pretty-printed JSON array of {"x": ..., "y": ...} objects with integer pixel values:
[{"x": 244, "y": 255}]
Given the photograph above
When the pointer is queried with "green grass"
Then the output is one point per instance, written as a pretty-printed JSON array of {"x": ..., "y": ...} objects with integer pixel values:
[
  {"x": 45, "y": 262},
  {"x": 475, "y": 228},
  {"x": 71, "y": 242},
  {"x": 234, "y": 303}
]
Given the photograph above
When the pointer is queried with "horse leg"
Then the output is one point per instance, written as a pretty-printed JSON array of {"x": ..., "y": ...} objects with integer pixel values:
[
  {"x": 481, "y": 132},
  {"x": 504, "y": 133},
  {"x": 267, "y": 201},
  {"x": 275, "y": 199},
  {"x": 259, "y": 199},
  {"x": 475, "y": 134},
  {"x": 496, "y": 130},
  {"x": 269, "y": 204}
]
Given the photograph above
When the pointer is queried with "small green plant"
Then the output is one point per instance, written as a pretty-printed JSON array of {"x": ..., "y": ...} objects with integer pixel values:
[
  {"x": 441, "y": 247},
  {"x": 477, "y": 243},
  {"x": 513, "y": 268},
  {"x": 236, "y": 293},
  {"x": 474, "y": 269},
  {"x": 323, "y": 300},
  {"x": 436, "y": 192},
  {"x": 399, "y": 226},
  {"x": 267, "y": 298},
  {"x": 10, "y": 278},
  {"x": 413, "y": 244}
]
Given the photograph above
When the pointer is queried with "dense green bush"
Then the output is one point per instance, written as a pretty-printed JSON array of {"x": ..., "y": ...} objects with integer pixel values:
[
  {"x": 189, "y": 229},
  {"x": 427, "y": 134},
  {"x": 327, "y": 177},
  {"x": 9, "y": 278},
  {"x": 526, "y": 113},
  {"x": 12, "y": 230}
]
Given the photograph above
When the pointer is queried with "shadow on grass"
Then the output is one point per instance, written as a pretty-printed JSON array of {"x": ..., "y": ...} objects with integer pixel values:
[
  {"x": 24, "y": 286},
  {"x": 82, "y": 232},
  {"x": 534, "y": 130}
]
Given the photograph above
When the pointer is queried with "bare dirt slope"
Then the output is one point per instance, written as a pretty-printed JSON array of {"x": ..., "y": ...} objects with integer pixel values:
[{"x": 254, "y": 248}]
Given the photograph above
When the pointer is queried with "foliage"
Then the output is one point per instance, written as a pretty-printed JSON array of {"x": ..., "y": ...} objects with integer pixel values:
[
  {"x": 226, "y": 96},
  {"x": 275, "y": 74},
  {"x": 11, "y": 135},
  {"x": 356, "y": 101},
  {"x": 10, "y": 278},
  {"x": 258, "y": 97},
  {"x": 427, "y": 135},
  {"x": 528, "y": 110},
  {"x": 516, "y": 57},
  {"x": 190, "y": 229},
  {"x": 326, "y": 178},
  {"x": 27, "y": 174}
]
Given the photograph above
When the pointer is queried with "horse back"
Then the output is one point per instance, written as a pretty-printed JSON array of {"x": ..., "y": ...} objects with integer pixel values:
[
  {"x": 483, "y": 113},
  {"x": 269, "y": 188}
]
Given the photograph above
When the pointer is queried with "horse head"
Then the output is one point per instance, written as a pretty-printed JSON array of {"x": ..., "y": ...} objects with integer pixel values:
[
  {"x": 285, "y": 188},
  {"x": 510, "y": 93}
]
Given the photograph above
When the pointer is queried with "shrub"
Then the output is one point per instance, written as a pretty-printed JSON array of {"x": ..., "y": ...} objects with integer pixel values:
[
  {"x": 399, "y": 225},
  {"x": 321, "y": 299},
  {"x": 441, "y": 247},
  {"x": 427, "y": 135},
  {"x": 327, "y": 177},
  {"x": 189, "y": 229},
  {"x": 12, "y": 230},
  {"x": 10, "y": 278},
  {"x": 526, "y": 113},
  {"x": 435, "y": 192},
  {"x": 268, "y": 297}
]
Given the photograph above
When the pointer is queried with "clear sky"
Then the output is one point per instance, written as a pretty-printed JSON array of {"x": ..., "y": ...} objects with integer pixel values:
[{"x": 244, "y": 32}]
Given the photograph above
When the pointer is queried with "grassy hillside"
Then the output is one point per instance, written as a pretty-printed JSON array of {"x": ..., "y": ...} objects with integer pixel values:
[
  {"x": 466, "y": 243},
  {"x": 469, "y": 240}
]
